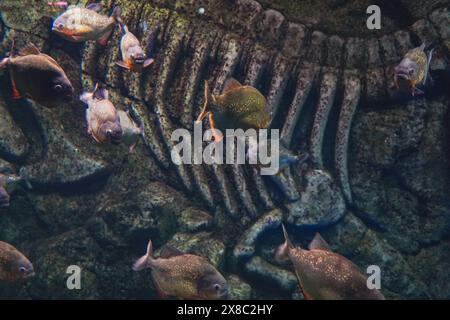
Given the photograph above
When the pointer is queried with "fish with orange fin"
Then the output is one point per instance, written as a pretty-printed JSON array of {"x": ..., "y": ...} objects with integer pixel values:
[
  {"x": 413, "y": 70},
  {"x": 102, "y": 119},
  {"x": 83, "y": 24},
  {"x": 14, "y": 266},
  {"x": 238, "y": 107},
  {"x": 185, "y": 276},
  {"x": 37, "y": 76},
  {"x": 133, "y": 56},
  {"x": 325, "y": 275}
]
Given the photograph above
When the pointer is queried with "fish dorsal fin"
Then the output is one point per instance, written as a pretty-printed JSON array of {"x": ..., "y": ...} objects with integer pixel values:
[
  {"x": 318, "y": 243},
  {"x": 288, "y": 241},
  {"x": 100, "y": 93},
  {"x": 169, "y": 251},
  {"x": 97, "y": 7},
  {"x": 231, "y": 84},
  {"x": 29, "y": 49}
]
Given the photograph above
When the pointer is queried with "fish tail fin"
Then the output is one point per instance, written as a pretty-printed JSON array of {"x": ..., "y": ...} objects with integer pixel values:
[
  {"x": 143, "y": 262},
  {"x": 206, "y": 105},
  {"x": 282, "y": 253}
]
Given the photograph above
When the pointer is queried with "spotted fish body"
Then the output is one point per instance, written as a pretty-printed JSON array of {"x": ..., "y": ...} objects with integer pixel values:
[
  {"x": 413, "y": 70},
  {"x": 83, "y": 24},
  {"x": 238, "y": 107},
  {"x": 14, "y": 266},
  {"x": 182, "y": 275},
  {"x": 325, "y": 275},
  {"x": 243, "y": 107}
]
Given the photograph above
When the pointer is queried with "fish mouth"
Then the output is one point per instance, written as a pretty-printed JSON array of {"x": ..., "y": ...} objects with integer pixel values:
[
  {"x": 30, "y": 274},
  {"x": 402, "y": 75},
  {"x": 139, "y": 61},
  {"x": 223, "y": 294},
  {"x": 115, "y": 141}
]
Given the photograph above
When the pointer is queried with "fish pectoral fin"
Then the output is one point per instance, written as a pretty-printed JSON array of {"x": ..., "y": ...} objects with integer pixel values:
[
  {"x": 218, "y": 137},
  {"x": 133, "y": 147},
  {"x": 148, "y": 62},
  {"x": 161, "y": 293},
  {"x": 15, "y": 93},
  {"x": 104, "y": 40},
  {"x": 95, "y": 138},
  {"x": 417, "y": 91},
  {"x": 205, "y": 109},
  {"x": 123, "y": 64},
  {"x": 430, "y": 56}
]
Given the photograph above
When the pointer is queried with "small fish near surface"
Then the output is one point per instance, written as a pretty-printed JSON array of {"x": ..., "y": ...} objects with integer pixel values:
[
  {"x": 131, "y": 132},
  {"x": 14, "y": 266},
  {"x": 325, "y": 275},
  {"x": 83, "y": 24},
  {"x": 185, "y": 276},
  {"x": 413, "y": 70},
  {"x": 102, "y": 119},
  {"x": 37, "y": 76},
  {"x": 238, "y": 107},
  {"x": 133, "y": 56}
]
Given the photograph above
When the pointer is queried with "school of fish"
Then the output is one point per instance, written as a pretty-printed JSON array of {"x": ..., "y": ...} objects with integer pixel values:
[{"x": 322, "y": 274}]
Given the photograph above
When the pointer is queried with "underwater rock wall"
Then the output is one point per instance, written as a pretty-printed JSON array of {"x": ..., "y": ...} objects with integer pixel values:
[{"x": 377, "y": 187}]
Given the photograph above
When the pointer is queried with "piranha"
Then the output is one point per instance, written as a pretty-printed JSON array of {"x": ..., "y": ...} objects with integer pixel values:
[
  {"x": 37, "y": 76},
  {"x": 102, "y": 119},
  {"x": 183, "y": 275},
  {"x": 130, "y": 130},
  {"x": 83, "y": 24},
  {"x": 133, "y": 56},
  {"x": 325, "y": 275},
  {"x": 413, "y": 70},
  {"x": 238, "y": 107},
  {"x": 14, "y": 266}
]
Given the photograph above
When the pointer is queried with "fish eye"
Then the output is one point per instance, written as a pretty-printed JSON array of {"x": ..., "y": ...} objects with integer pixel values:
[
  {"x": 411, "y": 71},
  {"x": 58, "y": 87},
  {"x": 22, "y": 269},
  {"x": 216, "y": 287}
]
